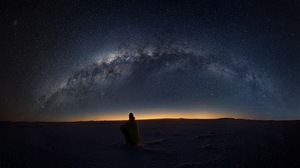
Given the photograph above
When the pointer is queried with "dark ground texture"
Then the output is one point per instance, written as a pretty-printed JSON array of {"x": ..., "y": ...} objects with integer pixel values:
[{"x": 164, "y": 143}]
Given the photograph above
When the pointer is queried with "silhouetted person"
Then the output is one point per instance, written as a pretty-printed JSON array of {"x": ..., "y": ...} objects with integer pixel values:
[{"x": 131, "y": 131}]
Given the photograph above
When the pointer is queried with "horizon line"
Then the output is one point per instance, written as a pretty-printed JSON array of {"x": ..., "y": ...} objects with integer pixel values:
[{"x": 150, "y": 119}]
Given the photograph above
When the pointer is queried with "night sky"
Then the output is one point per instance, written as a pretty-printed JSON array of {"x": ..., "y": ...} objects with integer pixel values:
[{"x": 97, "y": 60}]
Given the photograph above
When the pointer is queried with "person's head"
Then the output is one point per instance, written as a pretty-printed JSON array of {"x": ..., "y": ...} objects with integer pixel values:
[{"x": 131, "y": 117}]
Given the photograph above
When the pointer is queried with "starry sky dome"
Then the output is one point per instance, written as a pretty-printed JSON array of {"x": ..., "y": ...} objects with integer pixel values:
[{"x": 103, "y": 59}]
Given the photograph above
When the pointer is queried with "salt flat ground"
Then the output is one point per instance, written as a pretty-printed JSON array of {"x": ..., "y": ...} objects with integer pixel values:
[{"x": 164, "y": 143}]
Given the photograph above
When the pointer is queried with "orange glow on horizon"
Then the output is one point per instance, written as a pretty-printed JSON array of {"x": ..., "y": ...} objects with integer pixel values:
[{"x": 150, "y": 115}]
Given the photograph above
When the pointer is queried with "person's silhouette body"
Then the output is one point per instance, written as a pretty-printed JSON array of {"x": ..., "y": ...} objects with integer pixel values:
[{"x": 131, "y": 131}]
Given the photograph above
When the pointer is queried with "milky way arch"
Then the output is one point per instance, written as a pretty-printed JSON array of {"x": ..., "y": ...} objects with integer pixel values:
[{"x": 160, "y": 78}]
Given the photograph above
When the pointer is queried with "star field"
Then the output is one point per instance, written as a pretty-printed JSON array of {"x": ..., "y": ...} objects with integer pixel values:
[{"x": 76, "y": 58}]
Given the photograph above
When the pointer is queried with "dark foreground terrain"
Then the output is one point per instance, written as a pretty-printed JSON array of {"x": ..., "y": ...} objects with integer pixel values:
[{"x": 164, "y": 143}]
